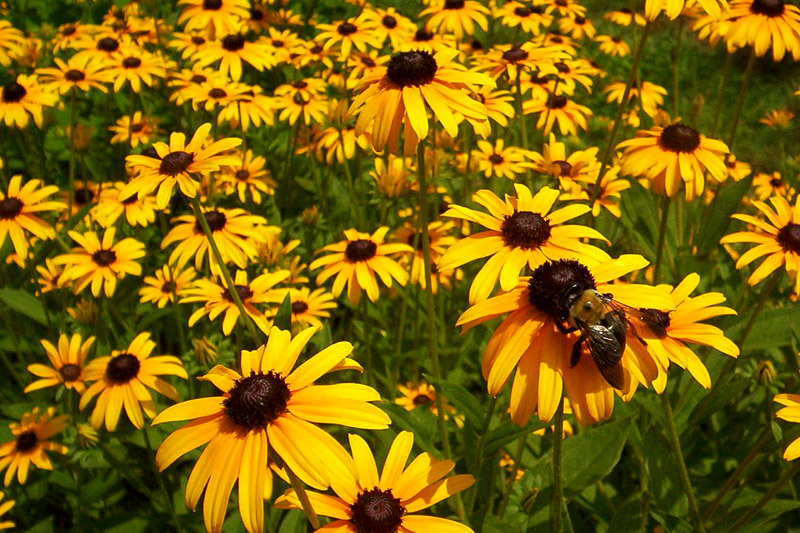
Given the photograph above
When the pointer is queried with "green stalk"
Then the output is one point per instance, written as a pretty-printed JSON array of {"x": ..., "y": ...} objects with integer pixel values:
[
  {"x": 723, "y": 82},
  {"x": 612, "y": 137},
  {"x": 751, "y": 61},
  {"x": 557, "y": 502},
  {"x": 297, "y": 485},
  {"x": 161, "y": 486},
  {"x": 476, "y": 468},
  {"x": 683, "y": 472},
  {"x": 662, "y": 237},
  {"x": 72, "y": 121},
  {"x": 517, "y": 458},
  {"x": 226, "y": 275},
  {"x": 676, "y": 59},
  {"x": 520, "y": 114},
  {"x": 786, "y": 477},
  {"x": 287, "y": 167}
]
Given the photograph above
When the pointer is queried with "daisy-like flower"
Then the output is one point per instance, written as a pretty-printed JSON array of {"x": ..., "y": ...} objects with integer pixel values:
[
  {"x": 190, "y": 44},
  {"x": 4, "y": 508},
  {"x": 235, "y": 232},
  {"x": 553, "y": 161},
  {"x": 18, "y": 213},
  {"x": 100, "y": 264},
  {"x": 292, "y": 107},
  {"x": 231, "y": 50},
  {"x": 49, "y": 277},
  {"x": 82, "y": 73},
  {"x": 500, "y": 160},
  {"x": 512, "y": 59},
  {"x": 667, "y": 332},
  {"x": 137, "y": 131},
  {"x": 577, "y": 27},
  {"x": 611, "y": 186},
  {"x": 175, "y": 163},
  {"x": 11, "y": 40},
  {"x": 777, "y": 237},
  {"x": 391, "y": 501},
  {"x": 530, "y": 18},
  {"x": 348, "y": 34},
  {"x": 392, "y": 176},
  {"x": 165, "y": 285},
  {"x": 22, "y": 98},
  {"x": 499, "y": 108},
  {"x": 649, "y": 94},
  {"x": 122, "y": 379},
  {"x": 456, "y": 17},
  {"x": 674, "y": 154},
  {"x": 777, "y": 118},
  {"x": 520, "y": 231},
  {"x": 309, "y": 307},
  {"x": 137, "y": 66},
  {"x": 557, "y": 108},
  {"x": 138, "y": 212},
  {"x": 396, "y": 95},
  {"x": 67, "y": 360},
  {"x": 565, "y": 8},
  {"x": 357, "y": 261},
  {"x": 30, "y": 444},
  {"x": 215, "y": 16},
  {"x": 791, "y": 413},
  {"x": 390, "y": 24},
  {"x": 216, "y": 91},
  {"x": 268, "y": 408},
  {"x": 625, "y": 17},
  {"x": 250, "y": 107},
  {"x": 766, "y": 185},
  {"x": 217, "y": 300},
  {"x": 737, "y": 170},
  {"x": 422, "y": 394},
  {"x": 439, "y": 239},
  {"x": 535, "y": 339},
  {"x": 248, "y": 179},
  {"x": 765, "y": 24},
  {"x": 613, "y": 46},
  {"x": 673, "y": 8}
]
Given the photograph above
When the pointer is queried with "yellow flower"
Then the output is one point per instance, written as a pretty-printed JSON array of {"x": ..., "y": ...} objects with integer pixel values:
[
  {"x": 167, "y": 283},
  {"x": 673, "y": 8},
  {"x": 456, "y": 17},
  {"x": 67, "y": 361},
  {"x": 137, "y": 131},
  {"x": 790, "y": 413},
  {"x": 765, "y": 24},
  {"x": 777, "y": 118},
  {"x": 30, "y": 444},
  {"x": 84, "y": 73},
  {"x": 22, "y": 97},
  {"x": 18, "y": 208}
]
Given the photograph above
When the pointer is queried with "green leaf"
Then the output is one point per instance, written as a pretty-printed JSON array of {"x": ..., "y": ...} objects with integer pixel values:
[
  {"x": 718, "y": 220},
  {"x": 25, "y": 303},
  {"x": 283, "y": 319},
  {"x": 464, "y": 401},
  {"x": 420, "y": 422}
]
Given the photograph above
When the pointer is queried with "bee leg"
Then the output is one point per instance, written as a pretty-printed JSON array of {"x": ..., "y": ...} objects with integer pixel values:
[
  {"x": 564, "y": 329},
  {"x": 575, "y": 357}
]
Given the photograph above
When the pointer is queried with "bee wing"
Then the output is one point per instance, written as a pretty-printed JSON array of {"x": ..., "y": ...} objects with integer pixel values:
[{"x": 606, "y": 351}]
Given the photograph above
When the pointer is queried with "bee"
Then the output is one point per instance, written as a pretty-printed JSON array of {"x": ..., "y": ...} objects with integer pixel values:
[{"x": 603, "y": 324}]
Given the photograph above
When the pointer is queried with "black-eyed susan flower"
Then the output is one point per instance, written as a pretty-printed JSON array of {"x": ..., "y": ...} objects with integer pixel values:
[
  {"x": 535, "y": 338},
  {"x": 765, "y": 24},
  {"x": 100, "y": 264},
  {"x": 529, "y": 18},
  {"x": 176, "y": 162},
  {"x": 625, "y": 17},
  {"x": 673, "y": 155},
  {"x": 791, "y": 413},
  {"x": 67, "y": 362},
  {"x": 109, "y": 208},
  {"x": 613, "y": 46},
  {"x": 250, "y": 107},
  {"x": 393, "y": 176},
  {"x": 31, "y": 441},
  {"x": 611, "y": 185},
  {"x": 81, "y": 73},
  {"x": 389, "y": 24},
  {"x": 577, "y": 27},
  {"x": 422, "y": 394},
  {"x": 565, "y": 8},
  {"x": 511, "y": 59},
  {"x": 100, "y": 47},
  {"x": 499, "y": 108},
  {"x": 122, "y": 379},
  {"x": 5, "y": 507},
  {"x": 135, "y": 66},
  {"x": 667, "y": 332},
  {"x": 268, "y": 408},
  {"x": 439, "y": 239},
  {"x": 673, "y": 8},
  {"x": 165, "y": 285},
  {"x": 499, "y": 160},
  {"x": 558, "y": 109},
  {"x": 235, "y": 232},
  {"x": 215, "y": 92},
  {"x": 233, "y": 49},
  {"x": 135, "y": 130},
  {"x": 396, "y": 96},
  {"x": 24, "y": 97},
  {"x": 735, "y": 169},
  {"x": 777, "y": 118},
  {"x": 456, "y": 17},
  {"x": 248, "y": 179},
  {"x": 214, "y": 16},
  {"x": 521, "y": 231},
  {"x": 19, "y": 207},
  {"x": 649, "y": 95},
  {"x": 11, "y": 40},
  {"x": 308, "y": 306},
  {"x": 766, "y": 185},
  {"x": 189, "y": 44},
  {"x": 348, "y": 34},
  {"x": 312, "y": 109},
  {"x": 554, "y": 161},
  {"x": 358, "y": 260},
  {"x": 217, "y": 300},
  {"x": 49, "y": 277},
  {"x": 389, "y": 501},
  {"x": 777, "y": 238}
]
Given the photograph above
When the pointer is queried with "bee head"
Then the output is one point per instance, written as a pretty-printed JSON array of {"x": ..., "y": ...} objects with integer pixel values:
[{"x": 555, "y": 285}]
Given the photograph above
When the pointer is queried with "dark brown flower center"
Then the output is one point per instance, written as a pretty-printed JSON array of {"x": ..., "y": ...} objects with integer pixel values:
[
  {"x": 496, "y": 159},
  {"x": 776, "y": 182},
  {"x": 215, "y": 220},
  {"x": 108, "y": 44},
  {"x": 69, "y": 30},
  {"x": 198, "y": 40},
  {"x": 360, "y": 250},
  {"x": 525, "y": 229},
  {"x": 346, "y": 28},
  {"x": 242, "y": 174},
  {"x": 217, "y": 93},
  {"x": 367, "y": 61},
  {"x": 131, "y": 62},
  {"x": 657, "y": 320},
  {"x": 26, "y": 441},
  {"x": 423, "y": 36},
  {"x": 83, "y": 196},
  {"x": 13, "y": 92},
  {"x": 579, "y": 20},
  {"x": 277, "y": 43},
  {"x": 298, "y": 308},
  {"x": 616, "y": 40},
  {"x": 562, "y": 67},
  {"x": 301, "y": 84},
  {"x": 523, "y": 11},
  {"x": 256, "y": 400},
  {"x": 168, "y": 287},
  {"x": 389, "y": 21},
  {"x": 475, "y": 44},
  {"x": 554, "y": 284},
  {"x": 136, "y": 127},
  {"x": 556, "y": 101},
  {"x": 104, "y": 258},
  {"x": 414, "y": 239},
  {"x": 256, "y": 14},
  {"x": 565, "y": 169},
  {"x": 416, "y": 67},
  {"x": 515, "y": 54},
  {"x": 70, "y": 372},
  {"x": 74, "y": 75},
  {"x": 244, "y": 292},
  {"x": 10, "y": 207},
  {"x": 175, "y": 163},
  {"x": 680, "y": 138},
  {"x": 122, "y": 368},
  {"x": 233, "y": 42},
  {"x": 453, "y": 4},
  {"x": 421, "y": 399},
  {"x": 212, "y": 5},
  {"x": 316, "y": 49},
  {"x": 376, "y": 511},
  {"x": 770, "y": 8},
  {"x": 789, "y": 238},
  {"x": 198, "y": 78}
]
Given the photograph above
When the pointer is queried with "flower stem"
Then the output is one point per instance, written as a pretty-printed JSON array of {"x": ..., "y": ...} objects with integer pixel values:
[
  {"x": 723, "y": 82},
  {"x": 683, "y": 472},
  {"x": 520, "y": 114},
  {"x": 676, "y": 60},
  {"x": 161, "y": 486},
  {"x": 662, "y": 238},
  {"x": 612, "y": 137},
  {"x": 512, "y": 477},
  {"x": 72, "y": 120},
  {"x": 297, "y": 485},
  {"x": 226, "y": 275},
  {"x": 748, "y": 72},
  {"x": 477, "y": 466},
  {"x": 557, "y": 502},
  {"x": 787, "y": 476}
]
